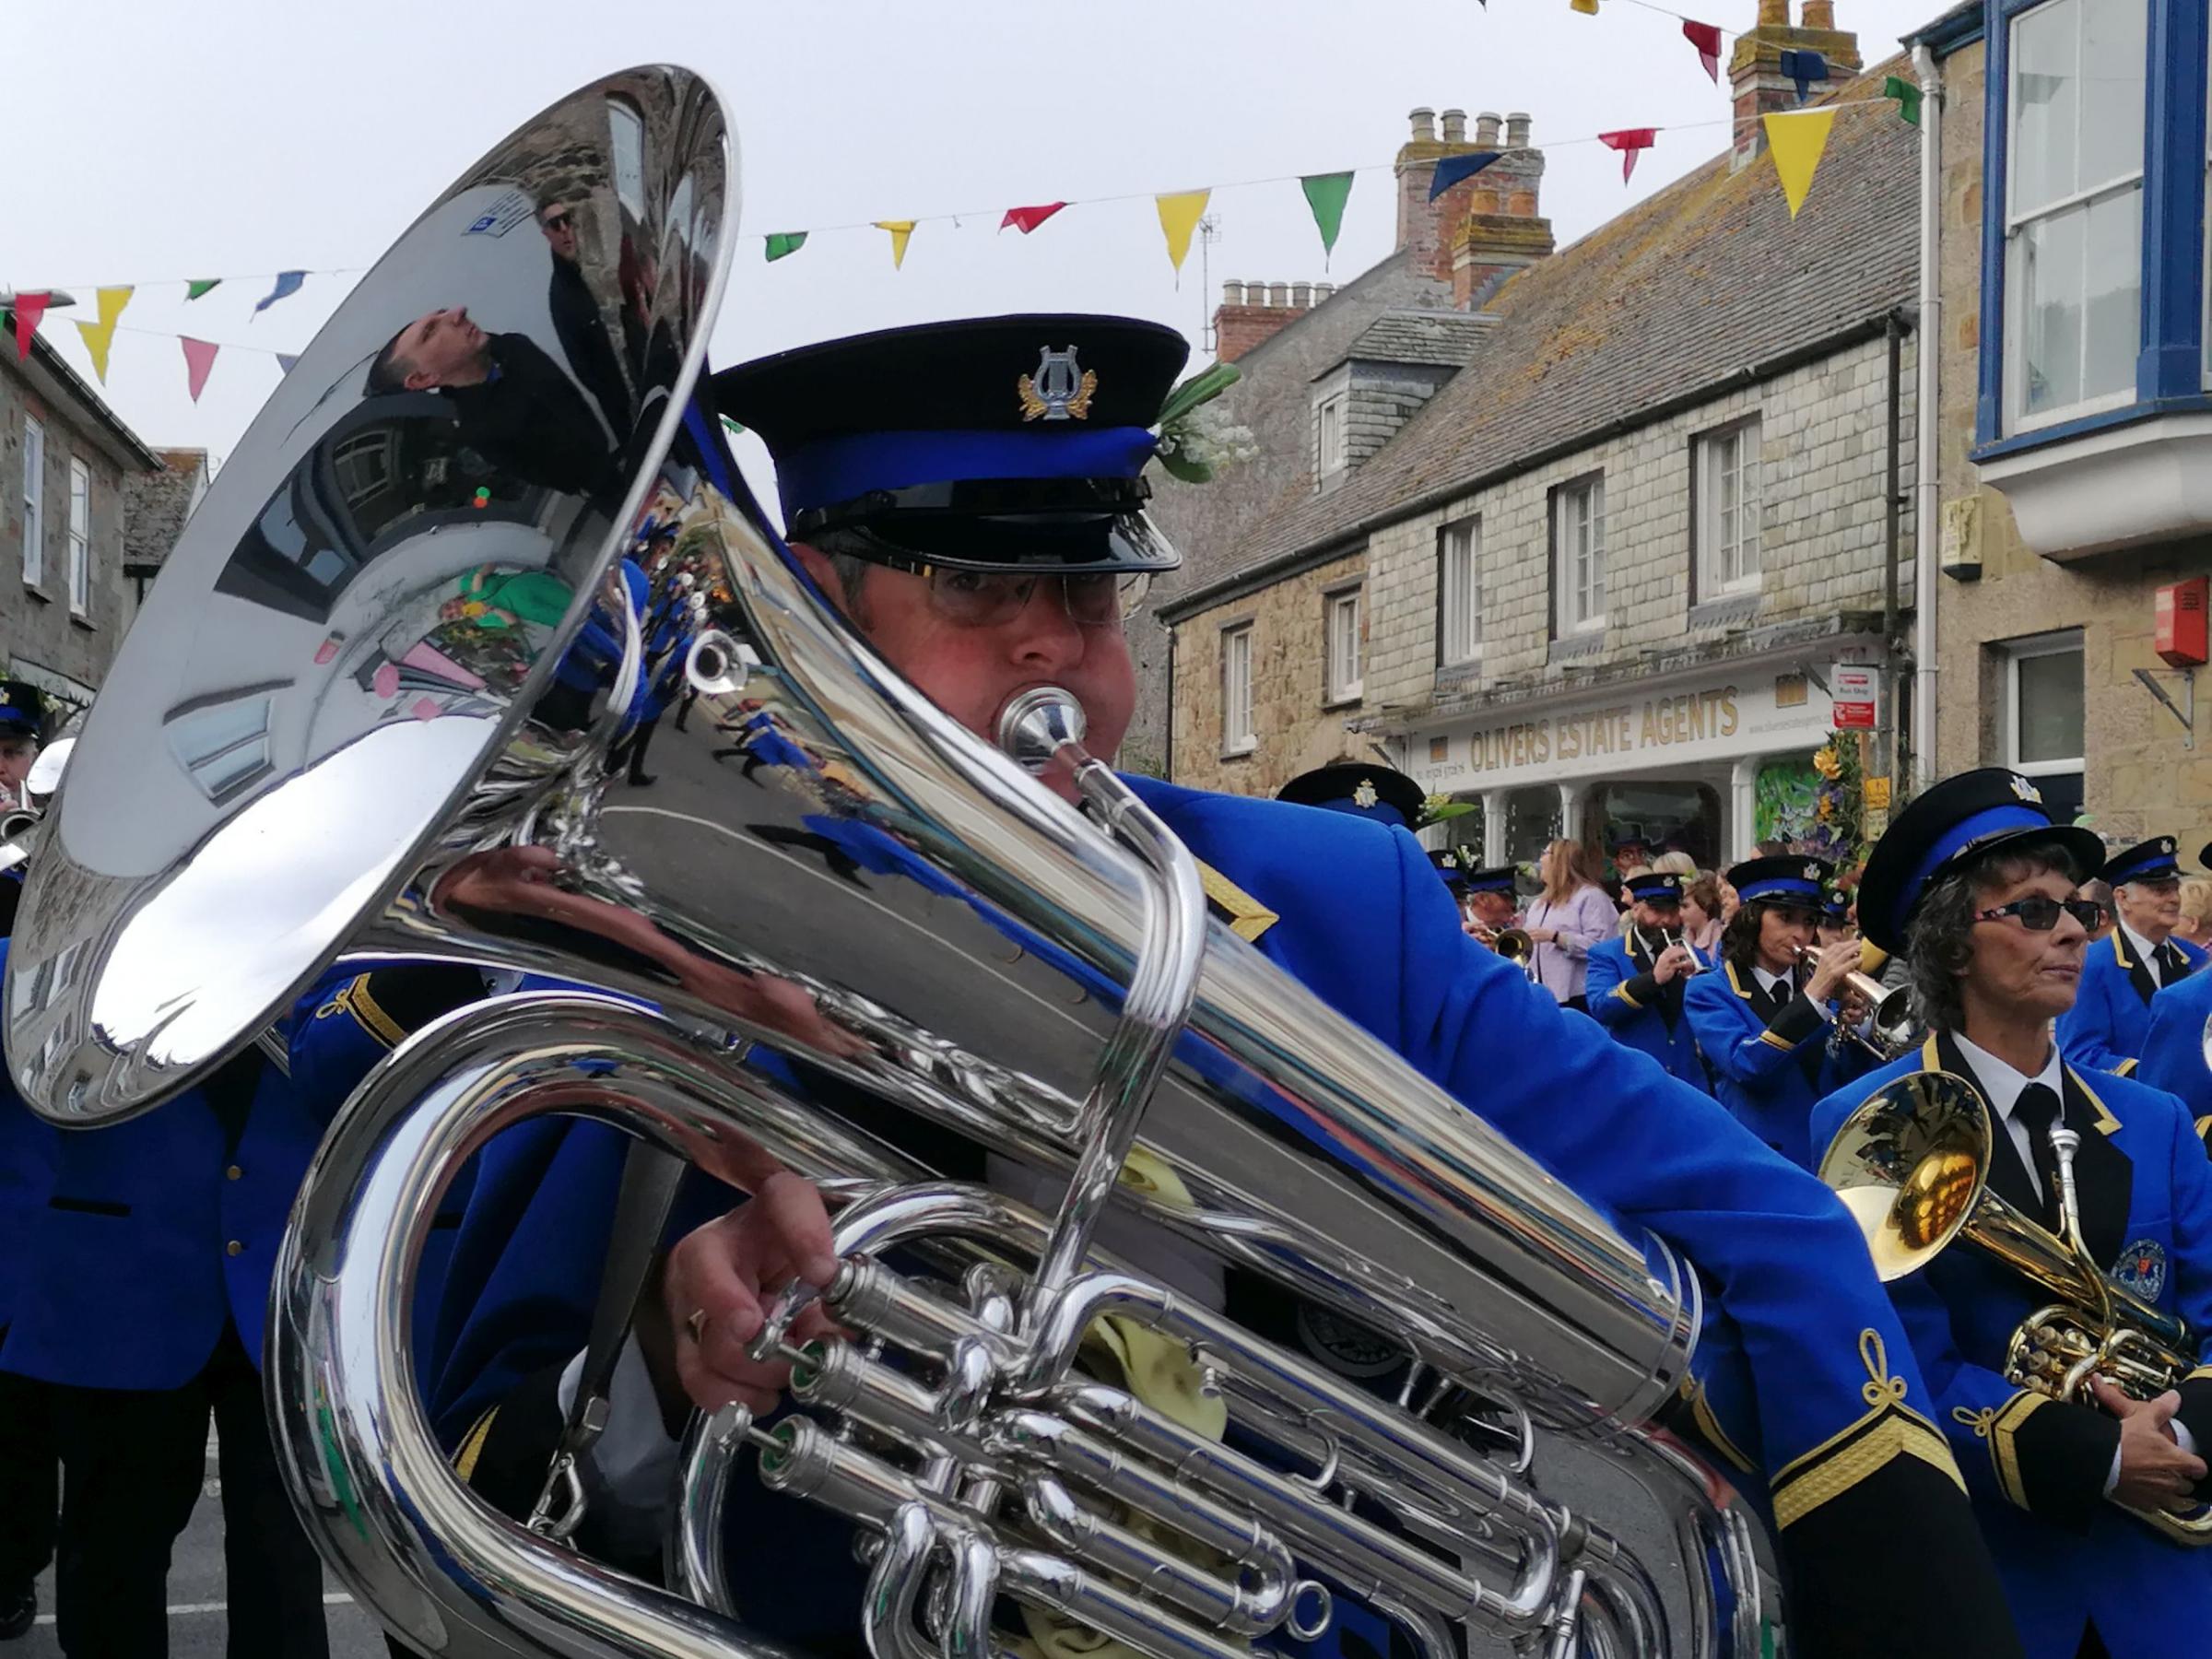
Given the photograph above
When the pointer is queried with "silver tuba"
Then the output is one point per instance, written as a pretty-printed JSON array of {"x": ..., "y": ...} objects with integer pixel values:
[{"x": 369, "y": 713}]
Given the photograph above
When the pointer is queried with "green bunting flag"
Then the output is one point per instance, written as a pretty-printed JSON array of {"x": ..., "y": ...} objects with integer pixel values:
[
  {"x": 1907, "y": 96},
  {"x": 1326, "y": 194},
  {"x": 193, "y": 289},
  {"x": 783, "y": 243}
]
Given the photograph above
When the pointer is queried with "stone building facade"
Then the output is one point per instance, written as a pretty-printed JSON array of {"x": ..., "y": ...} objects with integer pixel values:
[
  {"x": 65, "y": 461},
  {"x": 1608, "y": 405},
  {"x": 2060, "y": 524}
]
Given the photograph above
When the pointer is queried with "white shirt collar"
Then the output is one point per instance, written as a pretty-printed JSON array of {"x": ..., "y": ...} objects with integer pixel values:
[
  {"x": 2145, "y": 951},
  {"x": 1767, "y": 981},
  {"x": 2002, "y": 1083}
]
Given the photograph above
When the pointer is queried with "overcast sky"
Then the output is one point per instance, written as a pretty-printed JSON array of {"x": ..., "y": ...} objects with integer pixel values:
[{"x": 150, "y": 141}]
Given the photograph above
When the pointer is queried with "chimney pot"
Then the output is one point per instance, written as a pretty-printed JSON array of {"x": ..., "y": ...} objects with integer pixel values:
[
  {"x": 1486, "y": 130},
  {"x": 1302, "y": 295},
  {"x": 1516, "y": 130},
  {"x": 1774, "y": 13},
  {"x": 1818, "y": 14},
  {"x": 1255, "y": 293},
  {"x": 1455, "y": 125},
  {"x": 1322, "y": 291},
  {"x": 1232, "y": 293},
  {"x": 1278, "y": 293},
  {"x": 1424, "y": 124}
]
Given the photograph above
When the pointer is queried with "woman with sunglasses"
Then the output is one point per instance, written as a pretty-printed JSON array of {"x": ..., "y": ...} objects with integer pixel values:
[{"x": 1979, "y": 892}]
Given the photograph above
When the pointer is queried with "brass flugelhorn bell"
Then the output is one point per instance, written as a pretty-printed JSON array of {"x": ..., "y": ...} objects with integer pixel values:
[
  {"x": 1514, "y": 944},
  {"x": 1912, "y": 1165}
]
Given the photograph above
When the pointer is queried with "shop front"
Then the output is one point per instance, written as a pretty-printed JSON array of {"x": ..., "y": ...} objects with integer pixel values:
[{"x": 1711, "y": 766}]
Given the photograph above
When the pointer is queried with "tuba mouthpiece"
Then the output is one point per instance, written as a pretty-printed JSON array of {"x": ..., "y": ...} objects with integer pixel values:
[{"x": 1038, "y": 724}]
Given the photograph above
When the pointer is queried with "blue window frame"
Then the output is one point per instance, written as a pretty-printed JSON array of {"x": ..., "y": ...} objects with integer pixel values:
[{"x": 2063, "y": 209}]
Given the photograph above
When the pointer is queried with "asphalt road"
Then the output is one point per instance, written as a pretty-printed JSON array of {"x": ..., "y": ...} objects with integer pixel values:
[{"x": 196, "y": 1629}]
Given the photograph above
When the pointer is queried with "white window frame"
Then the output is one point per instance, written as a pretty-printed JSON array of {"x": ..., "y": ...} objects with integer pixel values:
[
  {"x": 1578, "y": 554},
  {"x": 34, "y": 502},
  {"x": 1733, "y": 567},
  {"x": 80, "y": 538},
  {"x": 1459, "y": 593},
  {"x": 1343, "y": 646},
  {"x": 1328, "y": 433},
  {"x": 1237, "y": 735},
  {"x": 2017, "y": 419},
  {"x": 2066, "y": 642}
]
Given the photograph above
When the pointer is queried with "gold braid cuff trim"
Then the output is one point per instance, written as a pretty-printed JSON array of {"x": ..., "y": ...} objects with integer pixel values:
[
  {"x": 1700, "y": 1412},
  {"x": 2203, "y": 1123},
  {"x": 1787, "y": 1048},
  {"x": 1889, "y": 1430},
  {"x": 1246, "y": 916},
  {"x": 2000, "y": 1426},
  {"x": 1622, "y": 992},
  {"x": 464, "y": 1462},
  {"x": 353, "y": 998}
]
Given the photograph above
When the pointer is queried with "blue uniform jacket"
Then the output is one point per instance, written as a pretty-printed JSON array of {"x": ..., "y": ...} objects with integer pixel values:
[
  {"x": 2173, "y": 1049},
  {"x": 1629, "y": 1003},
  {"x": 1770, "y": 1074},
  {"x": 2037, "y": 1468},
  {"x": 139, "y": 1242},
  {"x": 1382, "y": 942},
  {"x": 2111, "y": 1017}
]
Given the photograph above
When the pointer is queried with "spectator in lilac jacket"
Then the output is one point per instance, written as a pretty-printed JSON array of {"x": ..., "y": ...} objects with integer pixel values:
[{"x": 1572, "y": 915}]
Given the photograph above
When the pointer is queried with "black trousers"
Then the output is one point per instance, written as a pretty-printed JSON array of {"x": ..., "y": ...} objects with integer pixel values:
[
  {"x": 133, "y": 1462},
  {"x": 31, "y": 1488}
]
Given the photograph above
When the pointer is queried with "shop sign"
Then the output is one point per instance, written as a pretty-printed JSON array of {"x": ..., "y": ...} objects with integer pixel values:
[{"x": 1858, "y": 697}]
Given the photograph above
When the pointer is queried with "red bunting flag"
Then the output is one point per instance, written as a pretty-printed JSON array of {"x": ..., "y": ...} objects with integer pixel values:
[
  {"x": 1026, "y": 220},
  {"x": 199, "y": 356},
  {"x": 29, "y": 309},
  {"x": 1706, "y": 38},
  {"x": 1630, "y": 142}
]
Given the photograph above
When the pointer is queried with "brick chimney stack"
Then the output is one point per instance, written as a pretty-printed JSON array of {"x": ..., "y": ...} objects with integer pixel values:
[
  {"x": 1755, "y": 73},
  {"x": 1499, "y": 230},
  {"x": 1425, "y": 227},
  {"x": 1252, "y": 313}
]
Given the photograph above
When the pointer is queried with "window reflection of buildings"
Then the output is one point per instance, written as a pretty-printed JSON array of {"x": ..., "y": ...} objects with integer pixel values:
[
  {"x": 223, "y": 741},
  {"x": 383, "y": 478}
]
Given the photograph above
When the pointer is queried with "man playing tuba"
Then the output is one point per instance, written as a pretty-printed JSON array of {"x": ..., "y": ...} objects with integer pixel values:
[
  {"x": 982, "y": 551},
  {"x": 1978, "y": 891}
]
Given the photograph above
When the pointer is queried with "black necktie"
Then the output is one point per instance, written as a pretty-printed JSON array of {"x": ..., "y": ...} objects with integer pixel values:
[
  {"x": 2037, "y": 1109},
  {"x": 2171, "y": 966},
  {"x": 1779, "y": 997}
]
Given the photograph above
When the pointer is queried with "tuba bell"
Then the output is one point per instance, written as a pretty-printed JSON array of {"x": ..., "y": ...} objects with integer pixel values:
[
  {"x": 370, "y": 711},
  {"x": 1912, "y": 1165}
]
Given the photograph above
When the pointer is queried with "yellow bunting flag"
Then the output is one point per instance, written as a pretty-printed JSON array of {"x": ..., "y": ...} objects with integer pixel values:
[
  {"x": 1179, "y": 216},
  {"x": 1587, "y": 7},
  {"x": 99, "y": 336},
  {"x": 1797, "y": 139},
  {"x": 902, "y": 231}
]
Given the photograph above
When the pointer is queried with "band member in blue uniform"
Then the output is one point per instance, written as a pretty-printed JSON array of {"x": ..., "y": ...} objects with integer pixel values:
[
  {"x": 1381, "y": 794},
  {"x": 22, "y": 724},
  {"x": 2174, "y": 1055},
  {"x": 2105, "y": 1028},
  {"x": 1637, "y": 983},
  {"x": 1766, "y": 1027},
  {"x": 900, "y": 506},
  {"x": 1489, "y": 901},
  {"x": 138, "y": 1306},
  {"x": 1977, "y": 888},
  {"x": 30, "y": 1493}
]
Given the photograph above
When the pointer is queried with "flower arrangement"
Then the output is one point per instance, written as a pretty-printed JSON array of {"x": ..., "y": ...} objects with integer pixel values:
[
  {"x": 1839, "y": 803},
  {"x": 1196, "y": 442}
]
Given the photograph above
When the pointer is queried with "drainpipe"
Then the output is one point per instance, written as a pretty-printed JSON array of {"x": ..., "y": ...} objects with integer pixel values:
[
  {"x": 1167, "y": 741},
  {"x": 1892, "y": 539},
  {"x": 1927, "y": 534}
]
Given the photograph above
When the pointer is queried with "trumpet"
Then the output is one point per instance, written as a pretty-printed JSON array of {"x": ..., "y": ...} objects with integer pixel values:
[
  {"x": 1668, "y": 938},
  {"x": 1912, "y": 1166},
  {"x": 1889, "y": 1010},
  {"x": 1511, "y": 943}
]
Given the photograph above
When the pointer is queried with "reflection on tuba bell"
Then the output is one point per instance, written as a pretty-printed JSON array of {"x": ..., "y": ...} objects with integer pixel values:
[
  {"x": 394, "y": 737},
  {"x": 1912, "y": 1166}
]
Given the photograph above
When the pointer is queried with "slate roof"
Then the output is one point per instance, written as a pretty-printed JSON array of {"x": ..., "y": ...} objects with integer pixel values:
[
  {"x": 1680, "y": 294},
  {"x": 1446, "y": 339},
  {"x": 155, "y": 505}
]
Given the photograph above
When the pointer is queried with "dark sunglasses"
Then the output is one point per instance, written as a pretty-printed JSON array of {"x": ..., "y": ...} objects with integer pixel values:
[
  {"x": 2039, "y": 915},
  {"x": 558, "y": 221}
]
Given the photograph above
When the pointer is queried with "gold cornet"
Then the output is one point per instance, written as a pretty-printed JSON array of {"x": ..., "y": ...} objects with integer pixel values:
[
  {"x": 1891, "y": 1010},
  {"x": 1511, "y": 944}
]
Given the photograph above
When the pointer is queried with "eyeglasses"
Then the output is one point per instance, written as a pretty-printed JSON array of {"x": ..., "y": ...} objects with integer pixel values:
[
  {"x": 2039, "y": 913},
  {"x": 557, "y": 221},
  {"x": 992, "y": 598}
]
